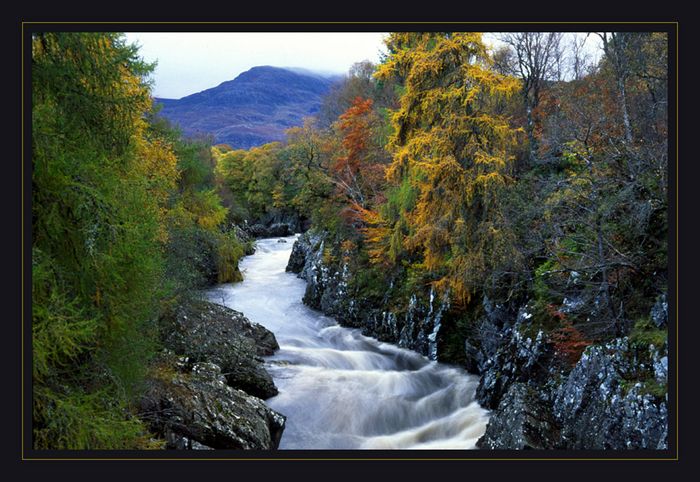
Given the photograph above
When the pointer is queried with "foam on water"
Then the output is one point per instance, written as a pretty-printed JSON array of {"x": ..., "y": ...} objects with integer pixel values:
[{"x": 340, "y": 389}]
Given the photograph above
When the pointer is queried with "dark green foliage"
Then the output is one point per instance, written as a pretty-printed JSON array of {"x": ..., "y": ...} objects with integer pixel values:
[
  {"x": 369, "y": 283},
  {"x": 195, "y": 163},
  {"x": 96, "y": 260},
  {"x": 115, "y": 239},
  {"x": 198, "y": 258},
  {"x": 454, "y": 331},
  {"x": 644, "y": 334}
]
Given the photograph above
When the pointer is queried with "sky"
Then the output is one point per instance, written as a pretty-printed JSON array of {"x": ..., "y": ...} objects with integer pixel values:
[{"x": 189, "y": 62}]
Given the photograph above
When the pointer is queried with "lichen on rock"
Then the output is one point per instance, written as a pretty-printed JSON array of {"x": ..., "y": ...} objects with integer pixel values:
[
  {"x": 206, "y": 331},
  {"x": 198, "y": 406}
]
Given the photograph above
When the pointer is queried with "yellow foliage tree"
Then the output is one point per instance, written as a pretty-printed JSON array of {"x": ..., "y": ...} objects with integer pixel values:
[{"x": 452, "y": 146}]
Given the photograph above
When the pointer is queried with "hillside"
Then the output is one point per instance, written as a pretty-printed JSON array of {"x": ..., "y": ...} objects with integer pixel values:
[{"x": 254, "y": 108}]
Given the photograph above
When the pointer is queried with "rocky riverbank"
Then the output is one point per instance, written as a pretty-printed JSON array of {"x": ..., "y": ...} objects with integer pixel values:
[
  {"x": 274, "y": 225},
  {"x": 612, "y": 396},
  {"x": 206, "y": 389}
]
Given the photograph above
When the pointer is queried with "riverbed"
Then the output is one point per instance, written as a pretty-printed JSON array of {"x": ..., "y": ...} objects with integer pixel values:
[{"x": 340, "y": 389}]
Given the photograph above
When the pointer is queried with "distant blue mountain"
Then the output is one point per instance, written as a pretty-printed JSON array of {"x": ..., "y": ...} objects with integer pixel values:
[{"x": 254, "y": 108}]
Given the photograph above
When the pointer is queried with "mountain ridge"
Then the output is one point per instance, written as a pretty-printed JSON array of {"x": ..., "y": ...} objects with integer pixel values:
[{"x": 254, "y": 108}]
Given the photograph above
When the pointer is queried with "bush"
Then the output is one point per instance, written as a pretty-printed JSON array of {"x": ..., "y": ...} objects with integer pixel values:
[{"x": 644, "y": 333}]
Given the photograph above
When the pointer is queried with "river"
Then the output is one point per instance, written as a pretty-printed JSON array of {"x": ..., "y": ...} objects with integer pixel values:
[{"x": 340, "y": 389}]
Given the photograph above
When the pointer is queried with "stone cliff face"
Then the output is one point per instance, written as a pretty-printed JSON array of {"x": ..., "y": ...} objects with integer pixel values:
[
  {"x": 614, "y": 397},
  {"x": 606, "y": 401},
  {"x": 415, "y": 326}
]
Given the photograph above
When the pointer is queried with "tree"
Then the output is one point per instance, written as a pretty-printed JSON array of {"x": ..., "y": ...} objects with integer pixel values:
[
  {"x": 605, "y": 198},
  {"x": 452, "y": 150},
  {"x": 359, "y": 82},
  {"x": 537, "y": 59},
  {"x": 359, "y": 171},
  {"x": 616, "y": 46},
  {"x": 100, "y": 185}
]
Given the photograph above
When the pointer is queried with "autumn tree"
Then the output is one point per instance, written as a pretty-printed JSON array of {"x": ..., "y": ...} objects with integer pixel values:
[
  {"x": 308, "y": 154},
  {"x": 358, "y": 172},
  {"x": 616, "y": 46},
  {"x": 604, "y": 199},
  {"x": 359, "y": 82},
  {"x": 451, "y": 154}
]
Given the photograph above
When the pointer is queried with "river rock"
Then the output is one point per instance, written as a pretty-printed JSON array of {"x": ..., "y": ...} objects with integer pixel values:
[
  {"x": 300, "y": 250},
  {"x": 197, "y": 410},
  {"x": 179, "y": 442},
  {"x": 272, "y": 231},
  {"x": 205, "y": 331},
  {"x": 522, "y": 422}
]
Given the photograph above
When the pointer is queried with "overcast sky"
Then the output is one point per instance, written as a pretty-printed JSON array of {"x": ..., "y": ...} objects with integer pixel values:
[{"x": 189, "y": 62}]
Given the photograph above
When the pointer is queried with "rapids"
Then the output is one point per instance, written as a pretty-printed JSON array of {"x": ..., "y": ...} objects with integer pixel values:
[{"x": 340, "y": 389}]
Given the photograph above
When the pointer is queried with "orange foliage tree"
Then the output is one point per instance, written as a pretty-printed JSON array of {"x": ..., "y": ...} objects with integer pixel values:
[{"x": 358, "y": 172}]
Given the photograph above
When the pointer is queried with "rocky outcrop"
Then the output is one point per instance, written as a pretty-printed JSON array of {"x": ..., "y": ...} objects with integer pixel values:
[
  {"x": 507, "y": 355},
  {"x": 300, "y": 251},
  {"x": 271, "y": 231},
  {"x": 659, "y": 312},
  {"x": 276, "y": 224},
  {"x": 613, "y": 397},
  {"x": 205, "y": 389},
  {"x": 414, "y": 325},
  {"x": 194, "y": 408},
  {"x": 523, "y": 421},
  {"x": 204, "y": 331}
]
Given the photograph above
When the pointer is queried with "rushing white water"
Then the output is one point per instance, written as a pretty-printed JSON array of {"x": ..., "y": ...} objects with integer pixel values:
[{"x": 342, "y": 390}]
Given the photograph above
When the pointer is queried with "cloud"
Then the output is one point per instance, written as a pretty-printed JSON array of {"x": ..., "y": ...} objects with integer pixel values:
[{"x": 190, "y": 62}]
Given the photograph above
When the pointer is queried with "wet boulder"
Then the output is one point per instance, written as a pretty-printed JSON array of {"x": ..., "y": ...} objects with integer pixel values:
[
  {"x": 300, "y": 250},
  {"x": 196, "y": 409},
  {"x": 271, "y": 231},
  {"x": 204, "y": 331},
  {"x": 322, "y": 280}
]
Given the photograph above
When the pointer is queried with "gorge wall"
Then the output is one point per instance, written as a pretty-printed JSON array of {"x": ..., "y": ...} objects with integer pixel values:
[{"x": 614, "y": 396}]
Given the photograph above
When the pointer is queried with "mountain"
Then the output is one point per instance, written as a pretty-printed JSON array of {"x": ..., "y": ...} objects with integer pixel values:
[{"x": 254, "y": 108}]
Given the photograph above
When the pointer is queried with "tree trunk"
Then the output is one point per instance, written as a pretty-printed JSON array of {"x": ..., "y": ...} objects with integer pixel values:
[
  {"x": 605, "y": 287},
  {"x": 623, "y": 107},
  {"x": 530, "y": 105},
  {"x": 531, "y": 135}
]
